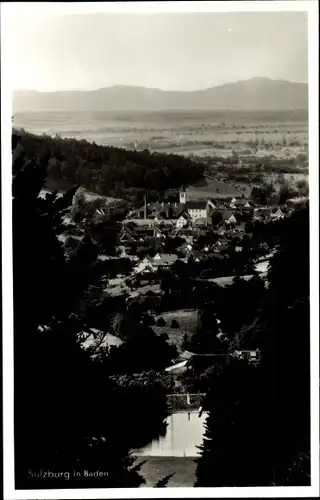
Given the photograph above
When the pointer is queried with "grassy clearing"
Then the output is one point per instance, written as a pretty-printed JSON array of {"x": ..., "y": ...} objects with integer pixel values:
[
  {"x": 186, "y": 318},
  {"x": 117, "y": 286},
  {"x": 296, "y": 177},
  {"x": 217, "y": 189},
  {"x": 175, "y": 335},
  {"x": 89, "y": 196}
]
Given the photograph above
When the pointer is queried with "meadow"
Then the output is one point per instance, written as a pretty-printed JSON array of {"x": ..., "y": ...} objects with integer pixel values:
[{"x": 197, "y": 133}]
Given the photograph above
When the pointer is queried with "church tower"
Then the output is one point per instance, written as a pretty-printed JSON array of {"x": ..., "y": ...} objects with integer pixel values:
[{"x": 182, "y": 196}]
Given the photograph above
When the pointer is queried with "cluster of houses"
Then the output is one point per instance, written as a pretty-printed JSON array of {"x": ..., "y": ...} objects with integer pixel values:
[
  {"x": 189, "y": 220},
  {"x": 195, "y": 363},
  {"x": 154, "y": 224},
  {"x": 199, "y": 213},
  {"x": 183, "y": 212},
  {"x": 147, "y": 268},
  {"x": 189, "y": 362}
]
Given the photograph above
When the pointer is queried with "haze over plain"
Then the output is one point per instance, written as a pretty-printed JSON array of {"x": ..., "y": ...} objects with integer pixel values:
[{"x": 171, "y": 52}]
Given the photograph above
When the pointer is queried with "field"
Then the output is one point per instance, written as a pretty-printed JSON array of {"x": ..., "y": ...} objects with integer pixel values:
[
  {"x": 217, "y": 189},
  {"x": 175, "y": 335},
  {"x": 207, "y": 136},
  {"x": 89, "y": 196},
  {"x": 188, "y": 133},
  {"x": 117, "y": 286},
  {"x": 186, "y": 318}
]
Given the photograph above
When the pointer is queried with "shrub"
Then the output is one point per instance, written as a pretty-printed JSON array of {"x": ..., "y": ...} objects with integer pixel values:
[
  {"x": 160, "y": 322},
  {"x": 148, "y": 320}
]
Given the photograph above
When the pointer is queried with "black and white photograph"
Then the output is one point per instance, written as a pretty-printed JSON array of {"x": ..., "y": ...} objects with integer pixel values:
[{"x": 159, "y": 203}]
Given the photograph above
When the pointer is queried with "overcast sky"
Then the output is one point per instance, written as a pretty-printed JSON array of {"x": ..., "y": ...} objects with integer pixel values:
[{"x": 167, "y": 51}]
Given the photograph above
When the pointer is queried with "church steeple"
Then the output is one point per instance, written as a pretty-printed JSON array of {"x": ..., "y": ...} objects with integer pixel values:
[
  {"x": 145, "y": 207},
  {"x": 182, "y": 196}
]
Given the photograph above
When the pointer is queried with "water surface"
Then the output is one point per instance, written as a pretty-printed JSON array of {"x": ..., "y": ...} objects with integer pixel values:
[{"x": 184, "y": 434}]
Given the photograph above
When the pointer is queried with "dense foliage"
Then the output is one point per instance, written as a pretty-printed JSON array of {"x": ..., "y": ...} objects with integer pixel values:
[
  {"x": 109, "y": 170},
  {"x": 258, "y": 428},
  {"x": 69, "y": 415},
  {"x": 142, "y": 350}
]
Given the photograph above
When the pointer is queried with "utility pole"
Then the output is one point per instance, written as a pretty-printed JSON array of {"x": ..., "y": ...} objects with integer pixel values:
[
  {"x": 145, "y": 206},
  {"x": 207, "y": 210}
]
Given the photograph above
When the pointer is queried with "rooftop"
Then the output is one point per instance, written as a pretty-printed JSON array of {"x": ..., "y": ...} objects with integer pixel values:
[
  {"x": 184, "y": 214},
  {"x": 164, "y": 259},
  {"x": 147, "y": 222},
  {"x": 196, "y": 205}
]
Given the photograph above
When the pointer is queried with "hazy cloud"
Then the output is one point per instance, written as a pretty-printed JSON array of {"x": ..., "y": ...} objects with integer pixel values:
[{"x": 168, "y": 51}]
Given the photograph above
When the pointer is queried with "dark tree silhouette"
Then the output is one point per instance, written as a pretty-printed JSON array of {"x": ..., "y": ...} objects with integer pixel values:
[
  {"x": 160, "y": 322},
  {"x": 230, "y": 453},
  {"x": 61, "y": 420},
  {"x": 263, "y": 412},
  {"x": 111, "y": 171}
]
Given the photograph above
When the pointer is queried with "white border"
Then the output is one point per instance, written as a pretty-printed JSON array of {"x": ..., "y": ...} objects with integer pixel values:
[
  {"x": 33, "y": 9},
  {"x": 25, "y": 9},
  {"x": 313, "y": 76}
]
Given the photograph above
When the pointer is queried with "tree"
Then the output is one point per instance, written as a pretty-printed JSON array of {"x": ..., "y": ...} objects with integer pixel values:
[
  {"x": 143, "y": 350},
  {"x": 112, "y": 171},
  {"x": 149, "y": 320},
  {"x": 216, "y": 217},
  {"x": 162, "y": 483},
  {"x": 286, "y": 318},
  {"x": 263, "y": 194},
  {"x": 285, "y": 193},
  {"x": 230, "y": 452},
  {"x": 78, "y": 210},
  {"x": 160, "y": 322},
  {"x": 261, "y": 401},
  {"x": 105, "y": 233},
  {"x": 172, "y": 243},
  {"x": 204, "y": 340},
  {"x": 144, "y": 395},
  {"x": 58, "y": 405},
  {"x": 303, "y": 187},
  {"x": 185, "y": 341},
  {"x": 174, "y": 324}
]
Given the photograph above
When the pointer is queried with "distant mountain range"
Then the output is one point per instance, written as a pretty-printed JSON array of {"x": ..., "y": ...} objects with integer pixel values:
[{"x": 256, "y": 94}]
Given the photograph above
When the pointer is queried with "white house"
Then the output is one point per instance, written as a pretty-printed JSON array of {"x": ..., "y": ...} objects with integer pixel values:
[
  {"x": 183, "y": 197},
  {"x": 164, "y": 260},
  {"x": 157, "y": 233},
  {"x": 230, "y": 219},
  {"x": 256, "y": 218},
  {"x": 177, "y": 369},
  {"x": 211, "y": 204},
  {"x": 277, "y": 215},
  {"x": 144, "y": 265},
  {"x": 197, "y": 209},
  {"x": 182, "y": 221}
]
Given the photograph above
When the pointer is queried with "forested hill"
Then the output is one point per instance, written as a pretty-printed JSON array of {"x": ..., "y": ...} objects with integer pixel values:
[
  {"x": 253, "y": 94},
  {"x": 107, "y": 170}
]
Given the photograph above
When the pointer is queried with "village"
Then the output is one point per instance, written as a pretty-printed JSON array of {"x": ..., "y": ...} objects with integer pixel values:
[
  {"x": 211, "y": 241},
  {"x": 160, "y": 282}
]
